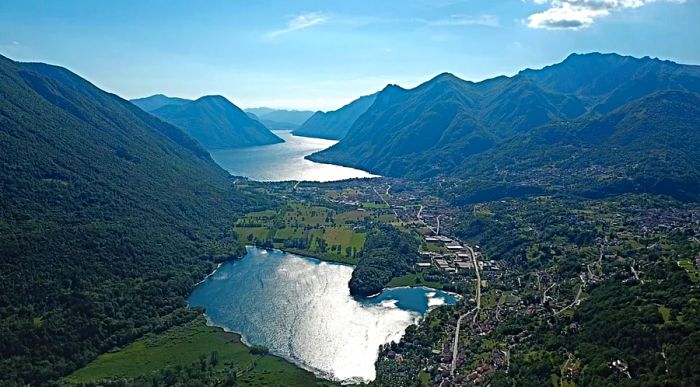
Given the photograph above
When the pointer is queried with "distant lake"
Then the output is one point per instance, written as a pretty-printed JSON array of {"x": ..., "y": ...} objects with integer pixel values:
[
  {"x": 285, "y": 161},
  {"x": 301, "y": 309}
]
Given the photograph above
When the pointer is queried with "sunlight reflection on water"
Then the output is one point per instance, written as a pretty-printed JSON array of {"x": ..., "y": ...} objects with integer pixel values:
[
  {"x": 285, "y": 161},
  {"x": 301, "y": 309}
]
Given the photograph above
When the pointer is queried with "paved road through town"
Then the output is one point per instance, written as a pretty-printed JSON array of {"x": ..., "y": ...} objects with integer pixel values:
[{"x": 455, "y": 345}]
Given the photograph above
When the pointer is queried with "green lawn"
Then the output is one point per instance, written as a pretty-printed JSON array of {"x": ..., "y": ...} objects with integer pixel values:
[
  {"x": 289, "y": 232},
  {"x": 351, "y": 216},
  {"x": 424, "y": 378},
  {"x": 665, "y": 313},
  {"x": 259, "y": 233},
  {"x": 183, "y": 345},
  {"x": 345, "y": 237},
  {"x": 374, "y": 205},
  {"x": 387, "y": 218},
  {"x": 410, "y": 280}
]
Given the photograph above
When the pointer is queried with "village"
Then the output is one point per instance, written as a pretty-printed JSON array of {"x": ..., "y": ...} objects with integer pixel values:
[{"x": 469, "y": 351}]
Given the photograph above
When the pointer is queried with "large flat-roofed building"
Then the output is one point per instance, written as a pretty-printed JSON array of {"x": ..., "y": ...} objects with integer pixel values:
[
  {"x": 442, "y": 263},
  {"x": 464, "y": 265}
]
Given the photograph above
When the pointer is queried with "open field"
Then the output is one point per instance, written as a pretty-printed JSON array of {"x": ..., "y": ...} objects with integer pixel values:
[
  {"x": 184, "y": 345},
  {"x": 307, "y": 229}
]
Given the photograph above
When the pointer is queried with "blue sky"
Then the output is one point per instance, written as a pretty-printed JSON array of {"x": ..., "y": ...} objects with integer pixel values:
[{"x": 322, "y": 54}]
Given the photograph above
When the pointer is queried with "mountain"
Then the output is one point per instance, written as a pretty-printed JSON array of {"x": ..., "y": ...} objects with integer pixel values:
[
  {"x": 296, "y": 117},
  {"x": 217, "y": 123},
  {"x": 154, "y": 102},
  {"x": 108, "y": 218},
  {"x": 649, "y": 145},
  {"x": 280, "y": 119},
  {"x": 335, "y": 125},
  {"x": 443, "y": 125}
]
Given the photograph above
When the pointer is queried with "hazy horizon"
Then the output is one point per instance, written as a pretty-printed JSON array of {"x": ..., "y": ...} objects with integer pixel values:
[{"x": 320, "y": 56}]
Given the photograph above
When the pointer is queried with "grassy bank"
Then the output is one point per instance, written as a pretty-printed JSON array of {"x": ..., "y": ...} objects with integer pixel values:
[
  {"x": 193, "y": 346},
  {"x": 413, "y": 279}
]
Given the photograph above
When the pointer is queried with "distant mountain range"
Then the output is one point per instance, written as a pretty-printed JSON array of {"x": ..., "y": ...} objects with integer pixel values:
[
  {"x": 335, "y": 125},
  {"x": 106, "y": 215},
  {"x": 594, "y": 108},
  {"x": 154, "y": 102},
  {"x": 212, "y": 120},
  {"x": 280, "y": 119}
]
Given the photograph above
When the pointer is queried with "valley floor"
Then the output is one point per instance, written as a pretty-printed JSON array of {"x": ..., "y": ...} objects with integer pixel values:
[{"x": 556, "y": 290}]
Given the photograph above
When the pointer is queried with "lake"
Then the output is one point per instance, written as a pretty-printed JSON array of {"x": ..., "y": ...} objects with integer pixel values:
[
  {"x": 284, "y": 161},
  {"x": 301, "y": 309}
]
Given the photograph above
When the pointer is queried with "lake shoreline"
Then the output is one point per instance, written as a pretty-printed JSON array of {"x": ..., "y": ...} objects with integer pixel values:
[{"x": 403, "y": 306}]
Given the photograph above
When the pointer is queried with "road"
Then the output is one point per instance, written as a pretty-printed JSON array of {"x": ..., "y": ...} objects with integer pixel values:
[
  {"x": 385, "y": 202},
  {"x": 455, "y": 345},
  {"x": 577, "y": 300},
  {"x": 478, "y": 280},
  {"x": 420, "y": 219},
  {"x": 636, "y": 275},
  {"x": 387, "y": 190},
  {"x": 544, "y": 294}
]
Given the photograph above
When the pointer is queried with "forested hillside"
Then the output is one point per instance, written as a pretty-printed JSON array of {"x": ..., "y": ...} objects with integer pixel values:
[
  {"x": 649, "y": 145},
  {"x": 450, "y": 126},
  {"x": 217, "y": 123},
  {"x": 108, "y": 217},
  {"x": 335, "y": 125}
]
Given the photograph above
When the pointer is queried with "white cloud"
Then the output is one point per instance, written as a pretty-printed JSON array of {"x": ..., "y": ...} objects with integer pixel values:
[
  {"x": 464, "y": 20},
  {"x": 310, "y": 19},
  {"x": 299, "y": 22},
  {"x": 578, "y": 14}
]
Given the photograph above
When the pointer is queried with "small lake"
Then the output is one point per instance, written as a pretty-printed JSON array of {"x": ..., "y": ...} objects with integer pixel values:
[
  {"x": 301, "y": 309},
  {"x": 284, "y": 161}
]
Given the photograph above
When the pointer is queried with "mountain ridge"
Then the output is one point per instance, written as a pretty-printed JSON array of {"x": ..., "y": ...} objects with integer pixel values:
[
  {"x": 433, "y": 128},
  {"x": 156, "y": 101},
  {"x": 108, "y": 218},
  {"x": 334, "y": 125},
  {"x": 280, "y": 119},
  {"x": 217, "y": 123}
]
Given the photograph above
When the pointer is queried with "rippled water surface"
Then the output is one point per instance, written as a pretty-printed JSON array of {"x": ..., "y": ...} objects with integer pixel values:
[
  {"x": 301, "y": 309},
  {"x": 285, "y": 161}
]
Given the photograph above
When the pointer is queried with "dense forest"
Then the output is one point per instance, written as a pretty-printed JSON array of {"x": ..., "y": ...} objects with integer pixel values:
[
  {"x": 108, "y": 217},
  {"x": 216, "y": 123},
  {"x": 388, "y": 253}
]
